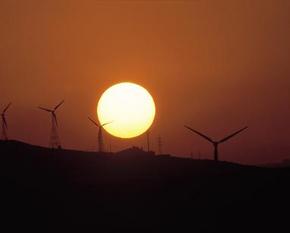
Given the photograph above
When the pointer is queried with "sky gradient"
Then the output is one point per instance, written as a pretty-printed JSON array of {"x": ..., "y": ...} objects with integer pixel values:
[{"x": 214, "y": 65}]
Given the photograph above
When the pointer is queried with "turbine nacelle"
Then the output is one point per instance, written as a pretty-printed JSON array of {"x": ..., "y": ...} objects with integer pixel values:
[
  {"x": 99, "y": 126},
  {"x": 100, "y": 134},
  {"x": 54, "y": 138},
  {"x": 214, "y": 142},
  {"x": 52, "y": 110}
]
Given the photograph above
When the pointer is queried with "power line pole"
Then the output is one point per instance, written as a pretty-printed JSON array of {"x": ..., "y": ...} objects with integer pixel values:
[
  {"x": 160, "y": 145},
  {"x": 148, "y": 142}
]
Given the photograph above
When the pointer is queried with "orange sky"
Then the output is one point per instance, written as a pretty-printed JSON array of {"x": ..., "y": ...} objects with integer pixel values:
[{"x": 214, "y": 65}]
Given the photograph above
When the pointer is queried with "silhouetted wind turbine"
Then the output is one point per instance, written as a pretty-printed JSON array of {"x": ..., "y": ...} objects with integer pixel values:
[
  {"x": 216, "y": 143},
  {"x": 54, "y": 141},
  {"x": 4, "y": 123},
  {"x": 100, "y": 133}
]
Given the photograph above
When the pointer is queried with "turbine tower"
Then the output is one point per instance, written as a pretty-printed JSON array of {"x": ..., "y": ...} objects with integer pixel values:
[
  {"x": 160, "y": 144},
  {"x": 100, "y": 134},
  {"x": 4, "y": 135},
  {"x": 54, "y": 141},
  {"x": 216, "y": 143}
]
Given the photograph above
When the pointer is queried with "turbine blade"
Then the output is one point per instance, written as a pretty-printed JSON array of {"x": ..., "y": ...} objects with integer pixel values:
[
  {"x": 57, "y": 106},
  {"x": 95, "y": 123},
  {"x": 5, "y": 122},
  {"x": 107, "y": 123},
  {"x": 232, "y": 135},
  {"x": 45, "y": 109},
  {"x": 5, "y": 109},
  {"x": 200, "y": 134}
]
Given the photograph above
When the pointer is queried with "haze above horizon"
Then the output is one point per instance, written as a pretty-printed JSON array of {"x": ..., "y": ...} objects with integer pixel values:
[{"x": 213, "y": 65}]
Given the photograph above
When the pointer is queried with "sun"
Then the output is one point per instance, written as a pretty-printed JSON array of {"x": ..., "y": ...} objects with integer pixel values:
[{"x": 128, "y": 108}]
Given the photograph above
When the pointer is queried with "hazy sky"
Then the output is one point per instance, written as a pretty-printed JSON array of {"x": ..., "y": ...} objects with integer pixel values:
[{"x": 214, "y": 65}]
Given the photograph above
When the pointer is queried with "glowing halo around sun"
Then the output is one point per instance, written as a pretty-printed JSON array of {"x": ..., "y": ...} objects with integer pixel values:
[{"x": 129, "y": 107}]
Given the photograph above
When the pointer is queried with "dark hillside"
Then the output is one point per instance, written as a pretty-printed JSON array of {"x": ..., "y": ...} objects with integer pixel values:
[{"x": 137, "y": 192}]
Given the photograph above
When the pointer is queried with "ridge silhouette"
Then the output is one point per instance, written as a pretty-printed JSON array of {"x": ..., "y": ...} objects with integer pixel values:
[{"x": 113, "y": 192}]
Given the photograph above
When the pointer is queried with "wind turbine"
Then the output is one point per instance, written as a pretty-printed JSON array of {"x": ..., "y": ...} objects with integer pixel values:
[
  {"x": 4, "y": 123},
  {"x": 54, "y": 141},
  {"x": 216, "y": 143},
  {"x": 100, "y": 133}
]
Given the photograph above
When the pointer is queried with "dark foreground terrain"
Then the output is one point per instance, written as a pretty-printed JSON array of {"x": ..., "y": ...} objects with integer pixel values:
[{"x": 130, "y": 192}]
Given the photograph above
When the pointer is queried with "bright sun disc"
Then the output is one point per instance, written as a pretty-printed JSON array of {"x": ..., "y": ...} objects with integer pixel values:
[{"x": 129, "y": 107}]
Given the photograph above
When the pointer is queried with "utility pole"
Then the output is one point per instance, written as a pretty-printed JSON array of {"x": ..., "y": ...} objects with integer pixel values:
[
  {"x": 159, "y": 145},
  {"x": 148, "y": 142}
]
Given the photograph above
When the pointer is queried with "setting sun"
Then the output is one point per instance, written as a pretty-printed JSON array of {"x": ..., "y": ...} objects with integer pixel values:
[{"x": 129, "y": 107}]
